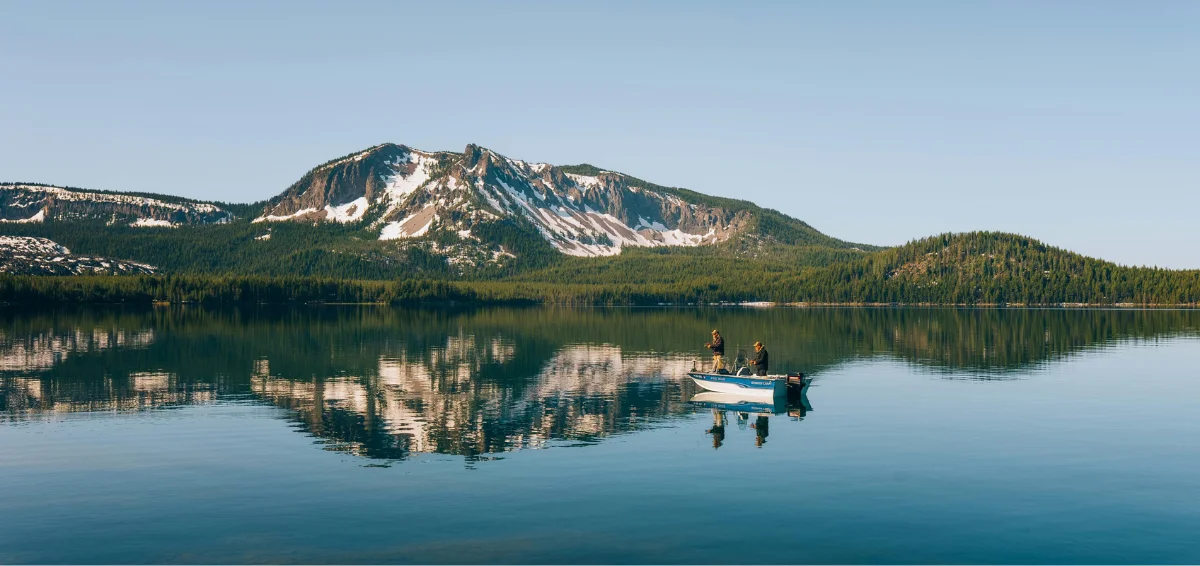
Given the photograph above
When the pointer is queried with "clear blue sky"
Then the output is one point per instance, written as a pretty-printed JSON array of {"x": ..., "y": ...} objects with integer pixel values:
[{"x": 1074, "y": 122}]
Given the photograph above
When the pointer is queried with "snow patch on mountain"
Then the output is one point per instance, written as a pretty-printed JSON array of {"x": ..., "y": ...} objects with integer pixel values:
[
  {"x": 40, "y": 246},
  {"x": 39, "y": 217},
  {"x": 413, "y": 226},
  {"x": 349, "y": 212},
  {"x": 412, "y": 170},
  {"x": 585, "y": 180},
  {"x": 293, "y": 216},
  {"x": 346, "y": 213},
  {"x": 23, "y": 255},
  {"x": 151, "y": 223}
]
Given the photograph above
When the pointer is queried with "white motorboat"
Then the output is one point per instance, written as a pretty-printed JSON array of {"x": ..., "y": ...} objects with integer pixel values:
[{"x": 742, "y": 385}]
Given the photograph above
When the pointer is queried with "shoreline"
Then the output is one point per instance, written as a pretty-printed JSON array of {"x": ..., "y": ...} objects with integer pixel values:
[
  {"x": 532, "y": 303},
  {"x": 256, "y": 290}
]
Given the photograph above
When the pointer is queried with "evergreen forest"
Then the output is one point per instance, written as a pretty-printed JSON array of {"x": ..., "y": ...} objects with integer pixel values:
[{"x": 330, "y": 264}]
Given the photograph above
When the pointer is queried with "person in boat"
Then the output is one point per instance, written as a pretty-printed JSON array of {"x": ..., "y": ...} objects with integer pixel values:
[
  {"x": 760, "y": 361},
  {"x": 718, "y": 349}
]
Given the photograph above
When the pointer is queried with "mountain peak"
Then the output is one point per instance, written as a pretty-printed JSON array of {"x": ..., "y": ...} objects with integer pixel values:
[{"x": 402, "y": 193}]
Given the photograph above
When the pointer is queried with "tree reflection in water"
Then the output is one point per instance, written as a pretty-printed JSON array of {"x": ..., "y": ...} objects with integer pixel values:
[{"x": 387, "y": 383}]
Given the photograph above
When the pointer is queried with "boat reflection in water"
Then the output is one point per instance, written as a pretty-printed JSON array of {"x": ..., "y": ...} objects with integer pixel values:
[{"x": 795, "y": 405}]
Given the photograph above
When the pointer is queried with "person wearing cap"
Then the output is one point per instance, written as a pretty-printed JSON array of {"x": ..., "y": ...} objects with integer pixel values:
[
  {"x": 760, "y": 361},
  {"x": 718, "y": 349}
]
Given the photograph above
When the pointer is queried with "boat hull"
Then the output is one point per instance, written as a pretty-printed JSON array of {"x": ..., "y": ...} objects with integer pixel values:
[
  {"x": 739, "y": 403},
  {"x": 742, "y": 385}
]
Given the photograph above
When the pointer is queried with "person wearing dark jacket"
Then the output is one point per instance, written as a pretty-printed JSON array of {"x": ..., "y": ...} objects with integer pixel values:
[
  {"x": 760, "y": 361},
  {"x": 718, "y": 349}
]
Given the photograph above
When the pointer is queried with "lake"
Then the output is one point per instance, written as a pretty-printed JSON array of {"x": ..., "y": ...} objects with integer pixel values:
[{"x": 500, "y": 435}]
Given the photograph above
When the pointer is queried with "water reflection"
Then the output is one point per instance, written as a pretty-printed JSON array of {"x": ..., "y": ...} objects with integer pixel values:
[
  {"x": 386, "y": 384},
  {"x": 795, "y": 405},
  {"x": 440, "y": 403}
]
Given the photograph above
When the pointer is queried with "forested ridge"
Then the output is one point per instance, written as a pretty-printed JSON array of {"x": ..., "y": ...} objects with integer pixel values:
[
  {"x": 994, "y": 268},
  {"x": 979, "y": 268}
]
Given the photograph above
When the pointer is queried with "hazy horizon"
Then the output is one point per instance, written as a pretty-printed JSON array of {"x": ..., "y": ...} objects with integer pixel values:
[{"x": 1073, "y": 123}]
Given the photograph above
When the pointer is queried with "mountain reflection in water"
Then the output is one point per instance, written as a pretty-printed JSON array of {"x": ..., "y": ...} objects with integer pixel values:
[
  {"x": 387, "y": 383},
  {"x": 439, "y": 403}
]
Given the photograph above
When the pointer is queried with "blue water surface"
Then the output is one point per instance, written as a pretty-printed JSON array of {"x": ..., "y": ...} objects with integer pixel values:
[{"x": 499, "y": 437}]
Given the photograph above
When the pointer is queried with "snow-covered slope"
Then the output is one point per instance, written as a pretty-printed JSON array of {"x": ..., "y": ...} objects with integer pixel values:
[
  {"x": 39, "y": 256},
  {"x": 401, "y": 193},
  {"x": 31, "y": 203}
]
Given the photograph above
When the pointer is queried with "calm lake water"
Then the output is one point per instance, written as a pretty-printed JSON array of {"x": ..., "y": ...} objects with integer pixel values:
[{"x": 348, "y": 434}]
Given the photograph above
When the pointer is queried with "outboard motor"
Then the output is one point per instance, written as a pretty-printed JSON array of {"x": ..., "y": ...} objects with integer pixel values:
[{"x": 795, "y": 385}]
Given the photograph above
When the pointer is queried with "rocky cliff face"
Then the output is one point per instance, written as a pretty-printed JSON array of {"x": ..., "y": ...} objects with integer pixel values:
[
  {"x": 401, "y": 193},
  {"x": 30, "y": 203},
  {"x": 40, "y": 256}
]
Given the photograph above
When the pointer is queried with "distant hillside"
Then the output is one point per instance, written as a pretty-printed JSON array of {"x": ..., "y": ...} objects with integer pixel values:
[
  {"x": 32, "y": 203},
  {"x": 991, "y": 268}
]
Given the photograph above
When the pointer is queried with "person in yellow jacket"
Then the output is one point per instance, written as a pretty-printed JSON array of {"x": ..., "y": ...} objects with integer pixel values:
[{"x": 718, "y": 349}]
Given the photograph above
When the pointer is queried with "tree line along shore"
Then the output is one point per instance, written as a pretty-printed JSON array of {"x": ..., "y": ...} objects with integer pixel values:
[{"x": 204, "y": 289}]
